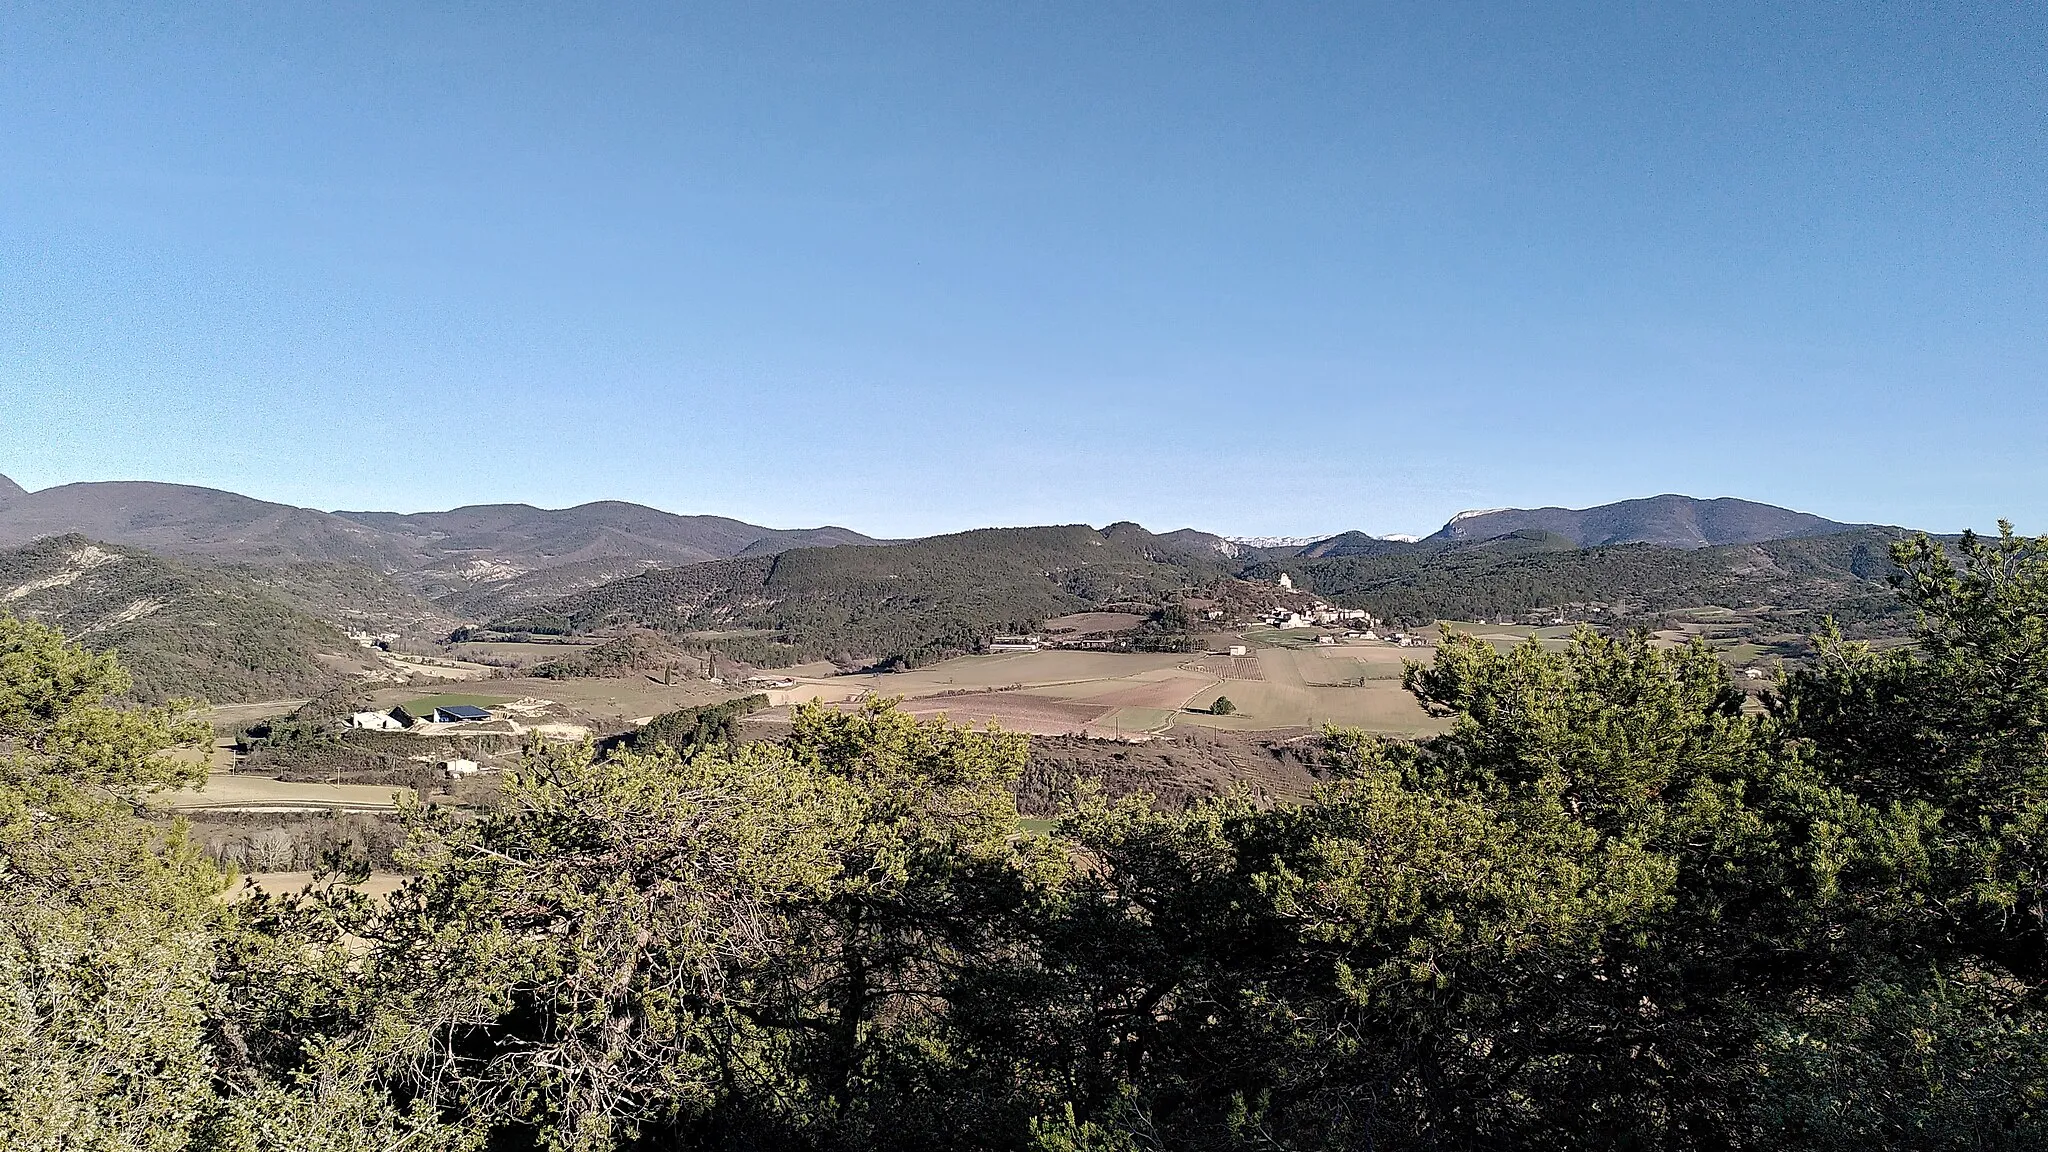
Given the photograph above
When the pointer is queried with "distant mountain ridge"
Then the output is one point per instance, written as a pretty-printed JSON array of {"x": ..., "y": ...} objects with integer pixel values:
[
  {"x": 1344, "y": 544},
  {"x": 612, "y": 563},
  {"x": 1671, "y": 520},
  {"x": 1273, "y": 541},
  {"x": 1782, "y": 585},
  {"x": 495, "y": 549},
  {"x": 186, "y": 520},
  {"x": 1200, "y": 541},
  {"x": 287, "y": 578},
  {"x": 605, "y": 528}
]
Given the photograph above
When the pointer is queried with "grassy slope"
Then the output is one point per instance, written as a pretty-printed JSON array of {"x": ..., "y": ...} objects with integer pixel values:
[{"x": 182, "y": 628}]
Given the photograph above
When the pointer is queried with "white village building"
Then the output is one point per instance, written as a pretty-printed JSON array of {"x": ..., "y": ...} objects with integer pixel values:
[{"x": 376, "y": 722}]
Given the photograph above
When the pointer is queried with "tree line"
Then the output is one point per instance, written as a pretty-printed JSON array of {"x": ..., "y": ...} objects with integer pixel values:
[{"x": 1612, "y": 906}]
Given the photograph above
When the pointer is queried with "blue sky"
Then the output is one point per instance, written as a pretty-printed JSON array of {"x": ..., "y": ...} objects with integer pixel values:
[{"x": 1258, "y": 268}]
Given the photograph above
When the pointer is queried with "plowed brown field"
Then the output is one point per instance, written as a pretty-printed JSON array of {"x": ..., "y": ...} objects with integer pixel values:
[
  {"x": 1170, "y": 693},
  {"x": 1014, "y": 711}
]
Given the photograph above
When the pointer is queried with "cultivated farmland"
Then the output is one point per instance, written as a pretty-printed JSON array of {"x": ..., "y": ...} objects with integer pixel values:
[
  {"x": 597, "y": 702},
  {"x": 1109, "y": 694},
  {"x": 249, "y": 793}
]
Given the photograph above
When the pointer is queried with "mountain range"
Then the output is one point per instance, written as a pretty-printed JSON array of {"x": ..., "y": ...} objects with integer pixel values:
[
  {"x": 924, "y": 600},
  {"x": 499, "y": 553},
  {"x": 211, "y": 591},
  {"x": 1671, "y": 521},
  {"x": 503, "y": 554},
  {"x": 1668, "y": 521}
]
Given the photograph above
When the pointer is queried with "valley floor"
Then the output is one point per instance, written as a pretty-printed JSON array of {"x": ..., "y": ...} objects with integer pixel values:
[{"x": 1281, "y": 683}]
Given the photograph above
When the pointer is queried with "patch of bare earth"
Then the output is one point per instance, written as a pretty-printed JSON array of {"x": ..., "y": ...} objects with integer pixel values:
[
  {"x": 1228, "y": 667},
  {"x": 1091, "y": 623},
  {"x": 1172, "y": 693},
  {"x": 1189, "y": 764},
  {"x": 1013, "y": 711}
]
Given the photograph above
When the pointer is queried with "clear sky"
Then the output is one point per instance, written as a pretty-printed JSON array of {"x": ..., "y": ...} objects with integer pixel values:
[{"x": 1254, "y": 267}]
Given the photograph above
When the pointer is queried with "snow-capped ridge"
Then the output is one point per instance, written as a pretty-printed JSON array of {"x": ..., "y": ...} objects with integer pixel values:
[
  {"x": 1471, "y": 512},
  {"x": 1275, "y": 541}
]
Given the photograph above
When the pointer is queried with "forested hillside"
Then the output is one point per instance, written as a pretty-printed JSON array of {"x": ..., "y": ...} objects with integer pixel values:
[
  {"x": 480, "y": 546},
  {"x": 349, "y": 595},
  {"x": 181, "y": 628},
  {"x": 907, "y": 603},
  {"x": 912, "y": 603},
  {"x": 1670, "y": 520},
  {"x": 496, "y": 597},
  {"x": 501, "y": 553},
  {"x": 1843, "y": 575}
]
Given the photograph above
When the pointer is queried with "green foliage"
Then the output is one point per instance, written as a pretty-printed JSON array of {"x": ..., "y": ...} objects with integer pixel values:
[
  {"x": 540, "y": 622},
  {"x": 686, "y": 730},
  {"x": 347, "y": 592},
  {"x": 1222, "y": 706},
  {"x": 637, "y": 651},
  {"x": 758, "y": 938},
  {"x": 104, "y": 956},
  {"x": 1167, "y": 629},
  {"x": 562, "y": 964}
]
